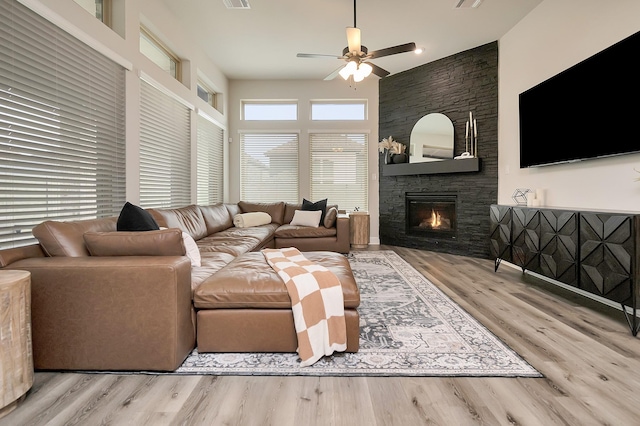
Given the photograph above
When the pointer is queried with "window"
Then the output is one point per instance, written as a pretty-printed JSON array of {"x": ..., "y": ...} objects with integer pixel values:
[
  {"x": 269, "y": 110},
  {"x": 207, "y": 95},
  {"x": 339, "y": 169},
  {"x": 62, "y": 123},
  {"x": 165, "y": 150},
  {"x": 210, "y": 162},
  {"x": 269, "y": 167},
  {"x": 101, "y": 9},
  {"x": 339, "y": 110},
  {"x": 159, "y": 54}
]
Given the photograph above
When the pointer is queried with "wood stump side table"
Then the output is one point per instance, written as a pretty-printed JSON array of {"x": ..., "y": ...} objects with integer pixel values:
[
  {"x": 16, "y": 356},
  {"x": 359, "y": 229}
]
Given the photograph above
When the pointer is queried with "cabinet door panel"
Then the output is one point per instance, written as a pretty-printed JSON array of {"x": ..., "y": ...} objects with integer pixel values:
[
  {"x": 559, "y": 245},
  {"x": 606, "y": 255},
  {"x": 526, "y": 238},
  {"x": 500, "y": 232}
]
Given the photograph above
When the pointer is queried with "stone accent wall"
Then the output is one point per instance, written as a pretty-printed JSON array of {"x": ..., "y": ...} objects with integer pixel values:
[{"x": 467, "y": 81}]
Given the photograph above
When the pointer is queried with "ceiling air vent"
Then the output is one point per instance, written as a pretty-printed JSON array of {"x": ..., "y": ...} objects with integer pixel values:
[
  {"x": 237, "y": 4},
  {"x": 462, "y": 4}
]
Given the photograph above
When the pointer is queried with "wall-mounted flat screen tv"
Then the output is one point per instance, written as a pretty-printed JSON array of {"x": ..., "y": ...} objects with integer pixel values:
[{"x": 590, "y": 110}]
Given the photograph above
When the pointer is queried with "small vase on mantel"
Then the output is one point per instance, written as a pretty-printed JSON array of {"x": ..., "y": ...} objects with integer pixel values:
[{"x": 399, "y": 158}]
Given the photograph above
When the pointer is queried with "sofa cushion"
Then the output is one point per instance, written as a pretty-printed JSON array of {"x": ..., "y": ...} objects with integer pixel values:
[
  {"x": 67, "y": 238},
  {"x": 233, "y": 210},
  {"x": 292, "y": 231},
  {"x": 306, "y": 218},
  {"x": 135, "y": 218},
  {"x": 249, "y": 282},
  {"x": 275, "y": 210},
  {"x": 189, "y": 219},
  {"x": 236, "y": 241},
  {"x": 216, "y": 217},
  {"x": 313, "y": 206},
  {"x": 166, "y": 242},
  {"x": 211, "y": 263},
  {"x": 330, "y": 217}
]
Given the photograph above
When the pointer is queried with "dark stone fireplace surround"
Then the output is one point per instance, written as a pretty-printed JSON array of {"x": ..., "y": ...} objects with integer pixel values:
[{"x": 467, "y": 81}]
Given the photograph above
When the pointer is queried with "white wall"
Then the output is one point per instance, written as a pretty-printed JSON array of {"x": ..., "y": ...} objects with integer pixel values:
[
  {"x": 553, "y": 37},
  {"x": 304, "y": 91}
]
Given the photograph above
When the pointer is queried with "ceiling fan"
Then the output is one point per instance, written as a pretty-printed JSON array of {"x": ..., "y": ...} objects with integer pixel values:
[{"x": 357, "y": 56}]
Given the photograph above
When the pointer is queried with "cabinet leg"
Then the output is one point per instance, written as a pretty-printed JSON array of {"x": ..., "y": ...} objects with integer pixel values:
[
  {"x": 632, "y": 320},
  {"x": 496, "y": 264}
]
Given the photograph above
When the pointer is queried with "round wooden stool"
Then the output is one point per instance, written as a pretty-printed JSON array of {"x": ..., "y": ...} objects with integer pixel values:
[{"x": 16, "y": 356}]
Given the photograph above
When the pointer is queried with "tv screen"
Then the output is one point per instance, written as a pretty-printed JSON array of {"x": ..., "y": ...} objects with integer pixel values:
[{"x": 590, "y": 110}]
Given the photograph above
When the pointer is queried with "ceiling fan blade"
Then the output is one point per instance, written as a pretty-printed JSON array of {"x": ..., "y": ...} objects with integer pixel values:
[
  {"x": 315, "y": 55},
  {"x": 380, "y": 72},
  {"x": 402, "y": 48},
  {"x": 334, "y": 74},
  {"x": 353, "y": 39}
]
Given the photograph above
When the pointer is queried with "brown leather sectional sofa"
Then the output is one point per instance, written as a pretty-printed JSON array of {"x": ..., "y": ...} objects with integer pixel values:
[{"x": 105, "y": 300}]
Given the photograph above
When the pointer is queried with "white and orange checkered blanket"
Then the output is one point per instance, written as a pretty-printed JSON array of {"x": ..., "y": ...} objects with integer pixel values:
[{"x": 317, "y": 303}]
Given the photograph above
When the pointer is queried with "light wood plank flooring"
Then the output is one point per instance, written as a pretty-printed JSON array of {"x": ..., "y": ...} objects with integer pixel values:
[{"x": 590, "y": 360}]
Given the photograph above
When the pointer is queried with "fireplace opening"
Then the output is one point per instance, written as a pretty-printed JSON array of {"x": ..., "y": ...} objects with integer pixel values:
[{"x": 431, "y": 215}]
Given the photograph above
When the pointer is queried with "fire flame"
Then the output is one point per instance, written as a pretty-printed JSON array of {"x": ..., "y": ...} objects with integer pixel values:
[{"x": 436, "y": 219}]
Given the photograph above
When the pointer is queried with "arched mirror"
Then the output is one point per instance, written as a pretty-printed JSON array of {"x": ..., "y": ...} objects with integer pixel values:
[{"x": 431, "y": 139}]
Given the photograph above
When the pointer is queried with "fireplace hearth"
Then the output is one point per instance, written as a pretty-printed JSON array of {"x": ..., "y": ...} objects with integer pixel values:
[{"x": 431, "y": 215}]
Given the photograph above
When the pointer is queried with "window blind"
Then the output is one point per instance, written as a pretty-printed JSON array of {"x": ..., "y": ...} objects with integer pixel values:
[
  {"x": 210, "y": 164},
  {"x": 165, "y": 150},
  {"x": 269, "y": 167},
  {"x": 62, "y": 123},
  {"x": 339, "y": 169}
]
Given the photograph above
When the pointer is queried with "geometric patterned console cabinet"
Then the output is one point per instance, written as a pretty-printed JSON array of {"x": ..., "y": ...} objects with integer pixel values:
[{"x": 597, "y": 252}]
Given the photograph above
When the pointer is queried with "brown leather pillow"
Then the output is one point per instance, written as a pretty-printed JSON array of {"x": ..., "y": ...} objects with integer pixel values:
[
  {"x": 330, "y": 217},
  {"x": 65, "y": 239},
  {"x": 166, "y": 242}
]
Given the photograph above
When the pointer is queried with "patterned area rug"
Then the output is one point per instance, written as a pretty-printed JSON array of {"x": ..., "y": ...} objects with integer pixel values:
[{"x": 408, "y": 327}]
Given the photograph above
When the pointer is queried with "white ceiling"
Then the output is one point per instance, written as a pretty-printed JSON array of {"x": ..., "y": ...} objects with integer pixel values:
[{"x": 262, "y": 42}]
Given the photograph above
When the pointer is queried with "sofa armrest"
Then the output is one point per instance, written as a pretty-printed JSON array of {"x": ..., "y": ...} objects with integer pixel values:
[
  {"x": 110, "y": 313},
  {"x": 343, "y": 233}
]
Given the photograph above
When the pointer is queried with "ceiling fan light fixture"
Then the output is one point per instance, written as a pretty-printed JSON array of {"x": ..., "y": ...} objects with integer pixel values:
[
  {"x": 344, "y": 73},
  {"x": 365, "y": 69}
]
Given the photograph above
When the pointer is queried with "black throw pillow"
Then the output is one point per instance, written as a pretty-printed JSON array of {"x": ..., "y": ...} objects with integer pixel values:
[
  {"x": 134, "y": 218},
  {"x": 318, "y": 205}
]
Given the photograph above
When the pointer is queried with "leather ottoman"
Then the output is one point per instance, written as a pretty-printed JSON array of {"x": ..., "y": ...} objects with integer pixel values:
[{"x": 245, "y": 306}]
